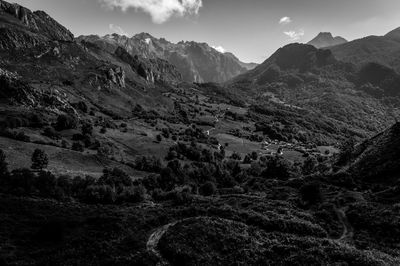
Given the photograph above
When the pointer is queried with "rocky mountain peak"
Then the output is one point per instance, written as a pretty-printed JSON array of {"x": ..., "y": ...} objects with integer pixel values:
[
  {"x": 23, "y": 28},
  {"x": 326, "y": 39}
]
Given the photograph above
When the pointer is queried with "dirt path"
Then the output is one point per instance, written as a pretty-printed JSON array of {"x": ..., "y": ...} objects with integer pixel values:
[
  {"x": 348, "y": 232},
  {"x": 154, "y": 239}
]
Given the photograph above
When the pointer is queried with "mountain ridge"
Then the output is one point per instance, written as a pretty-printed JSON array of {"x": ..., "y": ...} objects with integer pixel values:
[{"x": 197, "y": 62}]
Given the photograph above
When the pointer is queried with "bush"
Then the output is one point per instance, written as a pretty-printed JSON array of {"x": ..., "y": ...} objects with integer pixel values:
[
  {"x": 77, "y": 146},
  {"x": 115, "y": 178},
  {"x": 103, "y": 194},
  {"x": 39, "y": 160},
  {"x": 311, "y": 193},
  {"x": 66, "y": 122},
  {"x": 278, "y": 168},
  {"x": 87, "y": 129},
  {"x": 50, "y": 132},
  {"x": 46, "y": 184},
  {"x": 236, "y": 156},
  {"x": 3, "y": 164},
  {"x": 159, "y": 138},
  {"x": 208, "y": 189},
  {"x": 103, "y": 130}
]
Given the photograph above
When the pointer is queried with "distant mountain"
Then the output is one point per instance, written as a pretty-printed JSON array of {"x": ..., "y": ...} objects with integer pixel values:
[
  {"x": 197, "y": 62},
  {"x": 305, "y": 81},
  {"x": 384, "y": 50},
  {"x": 325, "y": 39}
]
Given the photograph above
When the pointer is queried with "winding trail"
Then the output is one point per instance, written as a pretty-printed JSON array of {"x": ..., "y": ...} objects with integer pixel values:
[
  {"x": 348, "y": 232},
  {"x": 154, "y": 239}
]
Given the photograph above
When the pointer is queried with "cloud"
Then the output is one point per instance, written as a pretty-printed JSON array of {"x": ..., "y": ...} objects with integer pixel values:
[
  {"x": 219, "y": 49},
  {"x": 294, "y": 35},
  {"x": 117, "y": 29},
  {"x": 285, "y": 20},
  {"x": 159, "y": 10}
]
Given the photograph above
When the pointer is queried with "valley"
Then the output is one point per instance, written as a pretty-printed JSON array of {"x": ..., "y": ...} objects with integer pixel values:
[{"x": 133, "y": 151}]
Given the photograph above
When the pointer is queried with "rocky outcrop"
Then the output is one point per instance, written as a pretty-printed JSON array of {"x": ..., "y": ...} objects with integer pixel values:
[
  {"x": 22, "y": 28},
  {"x": 116, "y": 76},
  {"x": 152, "y": 70}
]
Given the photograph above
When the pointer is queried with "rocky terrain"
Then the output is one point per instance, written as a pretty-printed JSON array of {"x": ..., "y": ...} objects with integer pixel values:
[
  {"x": 110, "y": 155},
  {"x": 197, "y": 62}
]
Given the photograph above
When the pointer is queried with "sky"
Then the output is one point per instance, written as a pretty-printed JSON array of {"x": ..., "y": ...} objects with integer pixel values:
[{"x": 250, "y": 29}]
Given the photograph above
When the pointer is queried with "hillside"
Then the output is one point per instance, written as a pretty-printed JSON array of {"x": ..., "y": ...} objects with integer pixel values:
[
  {"x": 325, "y": 39},
  {"x": 197, "y": 62},
  {"x": 377, "y": 158},
  {"x": 384, "y": 50},
  {"x": 302, "y": 77}
]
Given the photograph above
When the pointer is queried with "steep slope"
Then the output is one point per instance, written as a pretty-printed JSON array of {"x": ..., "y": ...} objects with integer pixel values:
[
  {"x": 197, "y": 62},
  {"x": 325, "y": 39},
  {"x": 384, "y": 50},
  {"x": 22, "y": 28},
  {"x": 378, "y": 158}
]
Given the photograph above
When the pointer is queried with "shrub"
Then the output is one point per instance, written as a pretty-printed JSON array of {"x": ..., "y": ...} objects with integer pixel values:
[
  {"x": 50, "y": 132},
  {"x": 159, "y": 138},
  {"x": 103, "y": 194},
  {"x": 87, "y": 129},
  {"x": 277, "y": 168},
  {"x": 22, "y": 181},
  {"x": 66, "y": 122},
  {"x": 247, "y": 159},
  {"x": 46, "y": 184},
  {"x": 236, "y": 156},
  {"x": 39, "y": 160},
  {"x": 115, "y": 178},
  {"x": 3, "y": 164},
  {"x": 103, "y": 130},
  {"x": 311, "y": 193},
  {"x": 208, "y": 189},
  {"x": 77, "y": 146}
]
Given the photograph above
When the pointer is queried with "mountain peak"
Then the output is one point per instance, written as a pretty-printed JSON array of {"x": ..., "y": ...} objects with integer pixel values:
[{"x": 326, "y": 39}]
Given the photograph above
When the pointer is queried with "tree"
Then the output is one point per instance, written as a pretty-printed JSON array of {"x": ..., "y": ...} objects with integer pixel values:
[
  {"x": 208, "y": 189},
  {"x": 39, "y": 160},
  {"x": 311, "y": 193},
  {"x": 87, "y": 129},
  {"x": 309, "y": 165},
  {"x": 3, "y": 164},
  {"x": 66, "y": 122}
]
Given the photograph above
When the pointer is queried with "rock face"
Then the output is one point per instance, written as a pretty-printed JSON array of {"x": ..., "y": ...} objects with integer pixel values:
[
  {"x": 197, "y": 62},
  {"x": 325, "y": 39},
  {"x": 152, "y": 70},
  {"x": 22, "y": 28}
]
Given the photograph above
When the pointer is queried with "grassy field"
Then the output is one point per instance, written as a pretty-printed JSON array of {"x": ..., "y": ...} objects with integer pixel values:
[{"x": 62, "y": 161}]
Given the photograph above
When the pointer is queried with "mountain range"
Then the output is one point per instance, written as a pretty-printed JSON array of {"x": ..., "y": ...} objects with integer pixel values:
[{"x": 197, "y": 62}]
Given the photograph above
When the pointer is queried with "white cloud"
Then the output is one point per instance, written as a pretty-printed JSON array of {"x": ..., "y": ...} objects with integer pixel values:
[
  {"x": 159, "y": 10},
  {"x": 285, "y": 20},
  {"x": 219, "y": 49},
  {"x": 294, "y": 35},
  {"x": 117, "y": 29}
]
